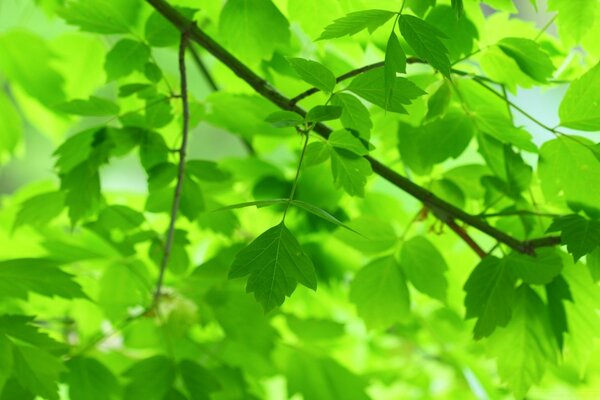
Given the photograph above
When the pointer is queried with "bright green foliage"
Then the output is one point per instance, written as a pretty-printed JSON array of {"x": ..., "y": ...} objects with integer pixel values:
[
  {"x": 424, "y": 267},
  {"x": 355, "y": 22},
  {"x": 395, "y": 61},
  {"x": 425, "y": 176},
  {"x": 579, "y": 108},
  {"x": 425, "y": 41},
  {"x": 253, "y": 29},
  {"x": 86, "y": 375},
  {"x": 371, "y": 87},
  {"x": 490, "y": 295},
  {"x": 529, "y": 56},
  {"x": 18, "y": 277},
  {"x": 525, "y": 346},
  {"x": 570, "y": 172},
  {"x": 314, "y": 73},
  {"x": 581, "y": 235},
  {"x": 575, "y": 17},
  {"x": 380, "y": 293},
  {"x": 276, "y": 263},
  {"x": 125, "y": 57}
]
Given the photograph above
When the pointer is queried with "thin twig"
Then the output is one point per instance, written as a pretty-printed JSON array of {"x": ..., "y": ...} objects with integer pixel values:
[
  {"x": 295, "y": 184},
  {"x": 181, "y": 169},
  {"x": 265, "y": 89},
  {"x": 460, "y": 231}
]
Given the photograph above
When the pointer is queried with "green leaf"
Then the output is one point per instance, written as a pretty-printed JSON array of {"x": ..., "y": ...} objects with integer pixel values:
[
  {"x": 37, "y": 371},
  {"x": 284, "y": 119},
  {"x": 558, "y": 292},
  {"x": 150, "y": 379},
  {"x": 569, "y": 172},
  {"x": 355, "y": 22},
  {"x": 253, "y": 29},
  {"x": 460, "y": 31},
  {"x": 192, "y": 198},
  {"x": 38, "y": 210},
  {"x": 458, "y": 7},
  {"x": 425, "y": 41},
  {"x": 580, "y": 235},
  {"x": 82, "y": 187},
  {"x": 123, "y": 285},
  {"x": 500, "y": 127},
  {"x": 314, "y": 73},
  {"x": 395, "y": 61},
  {"x": 593, "y": 264},
  {"x": 20, "y": 276},
  {"x": 424, "y": 267},
  {"x": 120, "y": 217},
  {"x": 323, "y": 113},
  {"x": 316, "y": 153},
  {"x": 6, "y": 361},
  {"x": 94, "y": 106},
  {"x": 125, "y": 57},
  {"x": 276, "y": 263},
  {"x": 208, "y": 171},
  {"x": 258, "y": 204},
  {"x": 579, "y": 108},
  {"x": 371, "y": 87},
  {"x": 89, "y": 379},
  {"x": 439, "y": 101},
  {"x": 343, "y": 139},
  {"x": 529, "y": 56},
  {"x": 311, "y": 208},
  {"x": 198, "y": 381},
  {"x": 27, "y": 61},
  {"x": 575, "y": 17},
  {"x": 317, "y": 377},
  {"x": 525, "y": 345},
  {"x": 101, "y": 16},
  {"x": 24, "y": 329},
  {"x": 373, "y": 235},
  {"x": 355, "y": 115},
  {"x": 380, "y": 293},
  {"x": 538, "y": 270},
  {"x": 11, "y": 126},
  {"x": 350, "y": 171},
  {"x": 159, "y": 32},
  {"x": 490, "y": 293}
]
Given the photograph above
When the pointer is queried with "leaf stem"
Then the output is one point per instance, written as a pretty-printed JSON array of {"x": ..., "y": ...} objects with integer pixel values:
[
  {"x": 295, "y": 184},
  {"x": 545, "y": 27},
  {"x": 180, "y": 170}
]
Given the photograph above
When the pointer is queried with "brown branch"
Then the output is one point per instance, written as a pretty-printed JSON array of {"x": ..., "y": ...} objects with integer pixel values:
[
  {"x": 466, "y": 237},
  {"x": 436, "y": 204},
  {"x": 180, "y": 171}
]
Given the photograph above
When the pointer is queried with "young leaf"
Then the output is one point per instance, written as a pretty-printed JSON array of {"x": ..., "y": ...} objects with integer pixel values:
[
  {"x": 438, "y": 102},
  {"x": 20, "y": 276},
  {"x": 355, "y": 22},
  {"x": 94, "y": 106},
  {"x": 163, "y": 374},
  {"x": 316, "y": 153},
  {"x": 343, "y": 139},
  {"x": 321, "y": 214},
  {"x": 37, "y": 371},
  {"x": 125, "y": 57},
  {"x": 575, "y": 17},
  {"x": 490, "y": 293},
  {"x": 579, "y": 108},
  {"x": 253, "y": 30},
  {"x": 424, "y": 267},
  {"x": 395, "y": 61},
  {"x": 101, "y": 16},
  {"x": 569, "y": 172},
  {"x": 350, "y": 171},
  {"x": 380, "y": 293},
  {"x": 159, "y": 32},
  {"x": 258, "y": 204},
  {"x": 39, "y": 210},
  {"x": 276, "y": 263},
  {"x": 284, "y": 119},
  {"x": 538, "y": 270},
  {"x": 558, "y": 292},
  {"x": 525, "y": 345},
  {"x": 89, "y": 379},
  {"x": 323, "y": 113},
  {"x": 580, "y": 235},
  {"x": 425, "y": 41},
  {"x": 355, "y": 115},
  {"x": 529, "y": 56},
  {"x": 458, "y": 7},
  {"x": 371, "y": 87},
  {"x": 314, "y": 73}
]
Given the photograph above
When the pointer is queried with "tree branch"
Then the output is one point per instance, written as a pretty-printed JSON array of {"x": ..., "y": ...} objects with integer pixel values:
[
  {"x": 437, "y": 205},
  {"x": 180, "y": 170},
  {"x": 460, "y": 231}
]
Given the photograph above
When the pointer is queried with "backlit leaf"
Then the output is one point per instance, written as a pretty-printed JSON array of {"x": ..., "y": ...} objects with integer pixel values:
[
  {"x": 425, "y": 41},
  {"x": 355, "y": 22}
]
